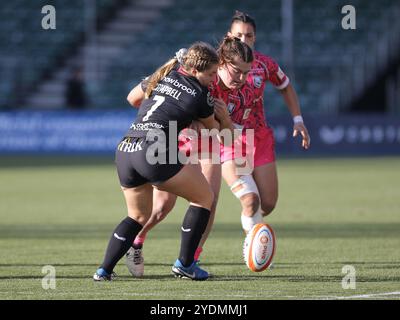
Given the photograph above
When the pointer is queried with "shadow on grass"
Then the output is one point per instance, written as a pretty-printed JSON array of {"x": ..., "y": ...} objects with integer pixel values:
[
  {"x": 94, "y": 265},
  {"x": 39, "y": 161},
  {"x": 224, "y": 231}
]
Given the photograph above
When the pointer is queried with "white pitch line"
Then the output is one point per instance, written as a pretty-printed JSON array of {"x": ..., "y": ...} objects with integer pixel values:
[
  {"x": 371, "y": 295},
  {"x": 199, "y": 295}
]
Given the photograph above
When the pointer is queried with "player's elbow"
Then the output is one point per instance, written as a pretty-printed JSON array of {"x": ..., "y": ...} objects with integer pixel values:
[
  {"x": 286, "y": 89},
  {"x": 132, "y": 101}
]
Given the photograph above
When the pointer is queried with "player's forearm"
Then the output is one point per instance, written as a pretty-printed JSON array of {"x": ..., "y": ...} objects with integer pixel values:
[
  {"x": 227, "y": 124},
  {"x": 136, "y": 96},
  {"x": 291, "y": 100}
]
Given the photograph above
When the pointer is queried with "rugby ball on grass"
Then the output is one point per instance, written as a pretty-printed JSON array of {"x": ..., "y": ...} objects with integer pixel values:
[{"x": 259, "y": 247}]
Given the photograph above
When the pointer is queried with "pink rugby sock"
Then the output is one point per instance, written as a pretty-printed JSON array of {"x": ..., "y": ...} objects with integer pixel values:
[
  {"x": 197, "y": 253},
  {"x": 139, "y": 240}
]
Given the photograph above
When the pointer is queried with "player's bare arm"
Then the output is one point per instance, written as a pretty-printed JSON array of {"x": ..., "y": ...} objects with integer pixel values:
[
  {"x": 210, "y": 122},
  {"x": 292, "y": 102},
  {"x": 136, "y": 96}
]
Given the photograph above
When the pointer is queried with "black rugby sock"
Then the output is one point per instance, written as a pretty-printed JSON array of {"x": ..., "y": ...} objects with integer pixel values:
[
  {"x": 120, "y": 242},
  {"x": 193, "y": 226}
]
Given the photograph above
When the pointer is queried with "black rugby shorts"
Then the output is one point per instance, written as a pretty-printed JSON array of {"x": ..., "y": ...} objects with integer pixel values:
[{"x": 134, "y": 168}]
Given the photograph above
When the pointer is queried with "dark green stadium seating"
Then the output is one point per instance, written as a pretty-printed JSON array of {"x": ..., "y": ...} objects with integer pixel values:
[
  {"x": 27, "y": 51},
  {"x": 323, "y": 51},
  {"x": 321, "y": 46}
]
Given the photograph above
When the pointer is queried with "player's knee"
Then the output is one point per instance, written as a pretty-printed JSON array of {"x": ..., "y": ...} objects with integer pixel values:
[
  {"x": 214, "y": 203},
  {"x": 250, "y": 204},
  {"x": 246, "y": 190},
  {"x": 163, "y": 207},
  {"x": 161, "y": 212},
  {"x": 209, "y": 198}
]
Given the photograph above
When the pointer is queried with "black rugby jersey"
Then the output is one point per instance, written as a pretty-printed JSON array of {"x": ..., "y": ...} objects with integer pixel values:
[{"x": 177, "y": 97}]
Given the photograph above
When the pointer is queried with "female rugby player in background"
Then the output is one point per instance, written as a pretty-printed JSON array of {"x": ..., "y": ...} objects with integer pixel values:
[{"x": 258, "y": 192}]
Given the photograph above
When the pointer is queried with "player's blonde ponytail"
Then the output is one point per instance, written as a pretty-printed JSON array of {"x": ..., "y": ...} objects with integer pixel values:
[{"x": 160, "y": 73}]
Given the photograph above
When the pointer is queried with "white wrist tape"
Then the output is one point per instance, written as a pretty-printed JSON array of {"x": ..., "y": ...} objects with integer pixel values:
[{"x": 298, "y": 119}]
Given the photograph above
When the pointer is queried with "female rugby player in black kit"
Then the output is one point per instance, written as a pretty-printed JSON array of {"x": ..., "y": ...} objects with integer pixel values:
[{"x": 174, "y": 97}]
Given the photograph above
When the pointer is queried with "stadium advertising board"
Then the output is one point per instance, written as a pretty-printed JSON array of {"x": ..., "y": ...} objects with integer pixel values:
[{"x": 68, "y": 132}]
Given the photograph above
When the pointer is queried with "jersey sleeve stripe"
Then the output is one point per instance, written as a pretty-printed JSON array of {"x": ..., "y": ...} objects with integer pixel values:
[{"x": 284, "y": 84}]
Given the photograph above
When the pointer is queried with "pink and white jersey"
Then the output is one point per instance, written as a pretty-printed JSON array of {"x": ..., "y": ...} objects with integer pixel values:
[
  {"x": 239, "y": 102},
  {"x": 263, "y": 69}
]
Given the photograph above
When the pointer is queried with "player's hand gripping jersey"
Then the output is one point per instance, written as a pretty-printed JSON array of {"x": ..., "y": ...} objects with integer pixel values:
[
  {"x": 239, "y": 104},
  {"x": 246, "y": 109}
]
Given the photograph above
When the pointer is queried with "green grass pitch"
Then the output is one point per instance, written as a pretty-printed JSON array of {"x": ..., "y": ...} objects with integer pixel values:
[{"x": 331, "y": 213}]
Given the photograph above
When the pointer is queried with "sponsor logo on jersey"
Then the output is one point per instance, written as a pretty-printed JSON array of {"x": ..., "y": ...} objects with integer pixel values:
[
  {"x": 181, "y": 86},
  {"x": 257, "y": 70},
  {"x": 127, "y": 146},
  {"x": 146, "y": 126}
]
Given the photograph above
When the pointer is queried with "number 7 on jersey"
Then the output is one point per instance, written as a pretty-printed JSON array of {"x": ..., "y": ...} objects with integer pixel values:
[{"x": 159, "y": 100}]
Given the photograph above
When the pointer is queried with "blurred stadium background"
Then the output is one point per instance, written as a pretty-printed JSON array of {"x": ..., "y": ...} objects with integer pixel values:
[
  {"x": 348, "y": 81},
  {"x": 58, "y": 210}
]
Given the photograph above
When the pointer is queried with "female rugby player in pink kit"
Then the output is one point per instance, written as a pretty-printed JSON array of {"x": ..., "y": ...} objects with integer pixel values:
[{"x": 258, "y": 192}]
